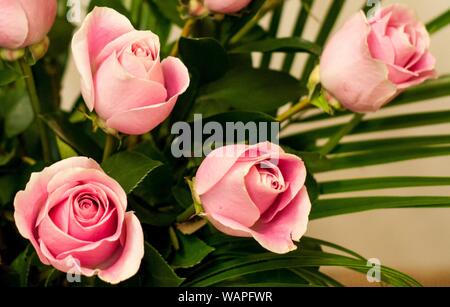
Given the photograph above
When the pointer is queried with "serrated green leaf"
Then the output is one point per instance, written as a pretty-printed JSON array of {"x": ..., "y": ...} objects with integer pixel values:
[
  {"x": 129, "y": 168},
  {"x": 192, "y": 252},
  {"x": 158, "y": 272},
  {"x": 264, "y": 91},
  {"x": 205, "y": 56}
]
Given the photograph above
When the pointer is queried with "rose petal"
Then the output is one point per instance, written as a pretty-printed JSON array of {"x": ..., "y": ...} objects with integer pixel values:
[
  {"x": 100, "y": 27},
  {"x": 132, "y": 253},
  {"x": 276, "y": 236},
  {"x": 226, "y": 6},
  {"x": 142, "y": 120},
  {"x": 41, "y": 15},
  {"x": 294, "y": 173},
  {"x": 13, "y": 24},
  {"x": 117, "y": 91},
  {"x": 229, "y": 197}
]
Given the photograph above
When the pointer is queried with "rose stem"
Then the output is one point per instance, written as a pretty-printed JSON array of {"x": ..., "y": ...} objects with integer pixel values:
[
  {"x": 109, "y": 146},
  {"x": 174, "y": 239},
  {"x": 266, "y": 7},
  {"x": 184, "y": 33},
  {"x": 302, "y": 104},
  {"x": 346, "y": 129},
  {"x": 35, "y": 103}
]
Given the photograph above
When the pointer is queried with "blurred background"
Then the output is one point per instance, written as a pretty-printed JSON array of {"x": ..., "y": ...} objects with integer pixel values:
[{"x": 416, "y": 241}]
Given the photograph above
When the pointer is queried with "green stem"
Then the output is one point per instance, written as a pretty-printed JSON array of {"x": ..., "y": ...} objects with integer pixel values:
[
  {"x": 187, "y": 214},
  {"x": 187, "y": 29},
  {"x": 346, "y": 129},
  {"x": 266, "y": 7},
  {"x": 301, "y": 105},
  {"x": 36, "y": 105},
  {"x": 109, "y": 146},
  {"x": 174, "y": 239}
]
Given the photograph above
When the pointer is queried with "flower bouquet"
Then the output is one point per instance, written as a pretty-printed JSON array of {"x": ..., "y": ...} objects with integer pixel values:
[{"x": 182, "y": 160}]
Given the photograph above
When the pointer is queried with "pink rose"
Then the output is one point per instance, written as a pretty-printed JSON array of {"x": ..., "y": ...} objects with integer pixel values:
[
  {"x": 255, "y": 191},
  {"x": 25, "y": 22},
  {"x": 367, "y": 63},
  {"x": 226, "y": 6},
  {"x": 122, "y": 77},
  {"x": 74, "y": 215}
]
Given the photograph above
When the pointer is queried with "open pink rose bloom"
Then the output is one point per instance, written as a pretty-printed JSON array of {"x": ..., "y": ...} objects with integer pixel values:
[
  {"x": 255, "y": 191},
  {"x": 367, "y": 63},
  {"x": 75, "y": 217},
  {"x": 122, "y": 77}
]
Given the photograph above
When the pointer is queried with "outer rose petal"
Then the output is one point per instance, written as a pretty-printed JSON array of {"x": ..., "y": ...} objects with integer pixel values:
[
  {"x": 276, "y": 236},
  {"x": 229, "y": 197},
  {"x": 220, "y": 160},
  {"x": 100, "y": 27},
  {"x": 347, "y": 55},
  {"x": 226, "y": 6},
  {"x": 13, "y": 24},
  {"x": 117, "y": 91},
  {"x": 41, "y": 15},
  {"x": 129, "y": 261},
  {"x": 141, "y": 120}
]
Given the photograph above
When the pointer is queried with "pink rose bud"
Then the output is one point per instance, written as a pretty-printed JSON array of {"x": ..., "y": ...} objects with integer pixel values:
[
  {"x": 122, "y": 77},
  {"x": 74, "y": 216},
  {"x": 367, "y": 63},
  {"x": 255, "y": 191},
  {"x": 25, "y": 22},
  {"x": 226, "y": 6}
]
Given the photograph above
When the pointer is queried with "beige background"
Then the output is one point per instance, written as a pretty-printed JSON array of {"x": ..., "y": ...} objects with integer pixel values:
[{"x": 415, "y": 241}]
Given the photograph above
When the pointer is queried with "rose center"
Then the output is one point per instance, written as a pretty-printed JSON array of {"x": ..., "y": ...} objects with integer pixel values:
[
  {"x": 87, "y": 207},
  {"x": 139, "y": 50}
]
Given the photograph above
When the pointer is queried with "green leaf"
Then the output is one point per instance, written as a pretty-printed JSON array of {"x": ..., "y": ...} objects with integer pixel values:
[
  {"x": 169, "y": 8},
  {"x": 322, "y": 103},
  {"x": 439, "y": 22},
  {"x": 351, "y": 185},
  {"x": 288, "y": 45},
  {"x": 19, "y": 117},
  {"x": 431, "y": 89},
  {"x": 307, "y": 139},
  {"x": 22, "y": 265},
  {"x": 392, "y": 143},
  {"x": 273, "y": 31},
  {"x": 158, "y": 273},
  {"x": 382, "y": 157},
  {"x": 72, "y": 135},
  {"x": 264, "y": 91},
  {"x": 337, "y": 206},
  {"x": 192, "y": 252},
  {"x": 152, "y": 19},
  {"x": 8, "y": 76},
  {"x": 228, "y": 269},
  {"x": 9, "y": 187},
  {"x": 328, "y": 24},
  {"x": 129, "y": 168},
  {"x": 303, "y": 14},
  {"x": 205, "y": 56}
]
